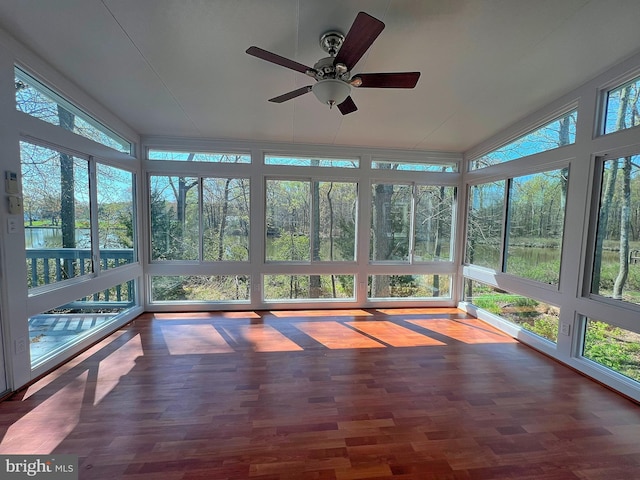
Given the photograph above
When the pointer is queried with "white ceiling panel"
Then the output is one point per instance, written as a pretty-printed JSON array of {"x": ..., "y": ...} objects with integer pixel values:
[{"x": 179, "y": 67}]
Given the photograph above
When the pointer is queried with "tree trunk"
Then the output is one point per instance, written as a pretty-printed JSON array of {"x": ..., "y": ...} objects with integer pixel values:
[
  {"x": 315, "y": 286},
  {"x": 382, "y": 243},
  {"x": 67, "y": 195},
  {"x": 625, "y": 214},
  {"x": 223, "y": 220},
  {"x": 607, "y": 199}
]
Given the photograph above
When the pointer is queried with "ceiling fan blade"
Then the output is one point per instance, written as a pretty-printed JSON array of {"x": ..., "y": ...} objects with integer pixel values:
[
  {"x": 361, "y": 35},
  {"x": 348, "y": 106},
  {"x": 290, "y": 95},
  {"x": 386, "y": 80},
  {"x": 277, "y": 59}
]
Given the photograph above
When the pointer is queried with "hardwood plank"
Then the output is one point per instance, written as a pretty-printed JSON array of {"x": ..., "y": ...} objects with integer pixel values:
[{"x": 350, "y": 394}]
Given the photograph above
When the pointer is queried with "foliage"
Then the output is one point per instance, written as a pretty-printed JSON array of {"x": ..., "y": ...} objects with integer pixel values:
[{"x": 613, "y": 347}]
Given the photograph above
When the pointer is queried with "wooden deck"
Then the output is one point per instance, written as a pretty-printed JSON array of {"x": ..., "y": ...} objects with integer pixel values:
[{"x": 357, "y": 394}]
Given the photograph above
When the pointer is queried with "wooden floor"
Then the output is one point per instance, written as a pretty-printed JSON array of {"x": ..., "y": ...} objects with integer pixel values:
[{"x": 358, "y": 394}]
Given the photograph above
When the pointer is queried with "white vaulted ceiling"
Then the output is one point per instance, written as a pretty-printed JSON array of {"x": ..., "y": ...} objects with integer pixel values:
[{"x": 179, "y": 67}]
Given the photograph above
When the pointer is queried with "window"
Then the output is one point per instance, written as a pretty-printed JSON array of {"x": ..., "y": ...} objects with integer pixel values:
[
  {"x": 200, "y": 288},
  {"x": 308, "y": 287},
  {"x": 613, "y": 347},
  {"x": 39, "y": 101},
  {"x": 55, "y": 186},
  {"x": 414, "y": 166},
  {"x": 409, "y": 286},
  {"x": 390, "y": 222},
  {"x": 616, "y": 262},
  {"x": 557, "y": 133},
  {"x": 411, "y": 223},
  {"x": 198, "y": 156},
  {"x": 531, "y": 240},
  {"x": 116, "y": 217},
  {"x": 175, "y": 218},
  {"x": 532, "y": 315},
  {"x": 58, "y": 212},
  {"x": 310, "y": 220},
  {"x": 183, "y": 207},
  {"x": 535, "y": 225},
  {"x": 484, "y": 224},
  {"x": 52, "y": 331},
  {"x": 622, "y": 104},
  {"x": 225, "y": 210},
  {"x": 311, "y": 161}
]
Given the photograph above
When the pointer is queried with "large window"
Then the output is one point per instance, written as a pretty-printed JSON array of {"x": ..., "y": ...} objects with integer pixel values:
[
  {"x": 199, "y": 219},
  {"x": 484, "y": 224},
  {"x": 621, "y": 109},
  {"x": 530, "y": 244},
  {"x": 39, "y": 101},
  {"x": 175, "y": 218},
  {"x": 116, "y": 216},
  {"x": 411, "y": 223},
  {"x": 55, "y": 186},
  {"x": 310, "y": 220},
  {"x": 535, "y": 225},
  {"x": 532, "y": 315},
  {"x": 557, "y": 133},
  {"x": 616, "y": 263},
  {"x": 58, "y": 211},
  {"x": 613, "y": 347}
]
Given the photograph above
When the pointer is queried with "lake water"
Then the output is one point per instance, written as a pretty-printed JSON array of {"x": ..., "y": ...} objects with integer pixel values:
[{"x": 51, "y": 237}]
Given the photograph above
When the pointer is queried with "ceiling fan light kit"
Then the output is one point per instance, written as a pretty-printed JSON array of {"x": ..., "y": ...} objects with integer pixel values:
[
  {"x": 331, "y": 91},
  {"x": 333, "y": 73}
]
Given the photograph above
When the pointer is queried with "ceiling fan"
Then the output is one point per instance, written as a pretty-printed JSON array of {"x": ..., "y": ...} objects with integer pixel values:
[{"x": 333, "y": 73}]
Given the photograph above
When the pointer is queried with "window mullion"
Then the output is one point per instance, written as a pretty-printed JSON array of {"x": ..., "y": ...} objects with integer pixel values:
[{"x": 93, "y": 216}]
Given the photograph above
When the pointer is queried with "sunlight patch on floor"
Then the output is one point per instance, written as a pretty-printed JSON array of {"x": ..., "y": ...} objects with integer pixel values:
[
  {"x": 194, "y": 340},
  {"x": 335, "y": 335},
  {"x": 116, "y": 366},
  {"x": 469, "y": 331},
  {"x": 394, "y": 335},
  {"x": 262, "y": 338},
  {"x": 42, "y": 429},
  {"x": 320, "y": 313}
]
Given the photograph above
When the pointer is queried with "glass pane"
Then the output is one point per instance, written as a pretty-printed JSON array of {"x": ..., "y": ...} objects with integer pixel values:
[
  {"x": 198, "y": 156},
  {"x": 52, "y": 331},
  {"x": 613, "y": 347},
  {"x": 307, "y": 287},
  {"x": 334, "y": 219},
  {"x": 200, "y": 288},
  {"x": 174, "y": 218},
  {"x": 225, "y": 210},
  {"x": 484, "y": 224},
  {"x": 390, "y": 222},
  {"x": 536, "y": 224},
  {"x": 434, "y": 222},
  {"x": 409, "y": 286},
  {"x": 311, "y": 161},
  {"x": 115, "y": 192},
  {"x": 616, "y": 266},
  {"x": 532, "y": 315},
  {"x": 37, "y": 100},
  {"x": 555, "y": 134},
  {"x": 415, "y": 166},
  {"x": 288, "y": 221},
  {"x": 55, "y": 188},
  {"x": 622, "y": 107}
]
